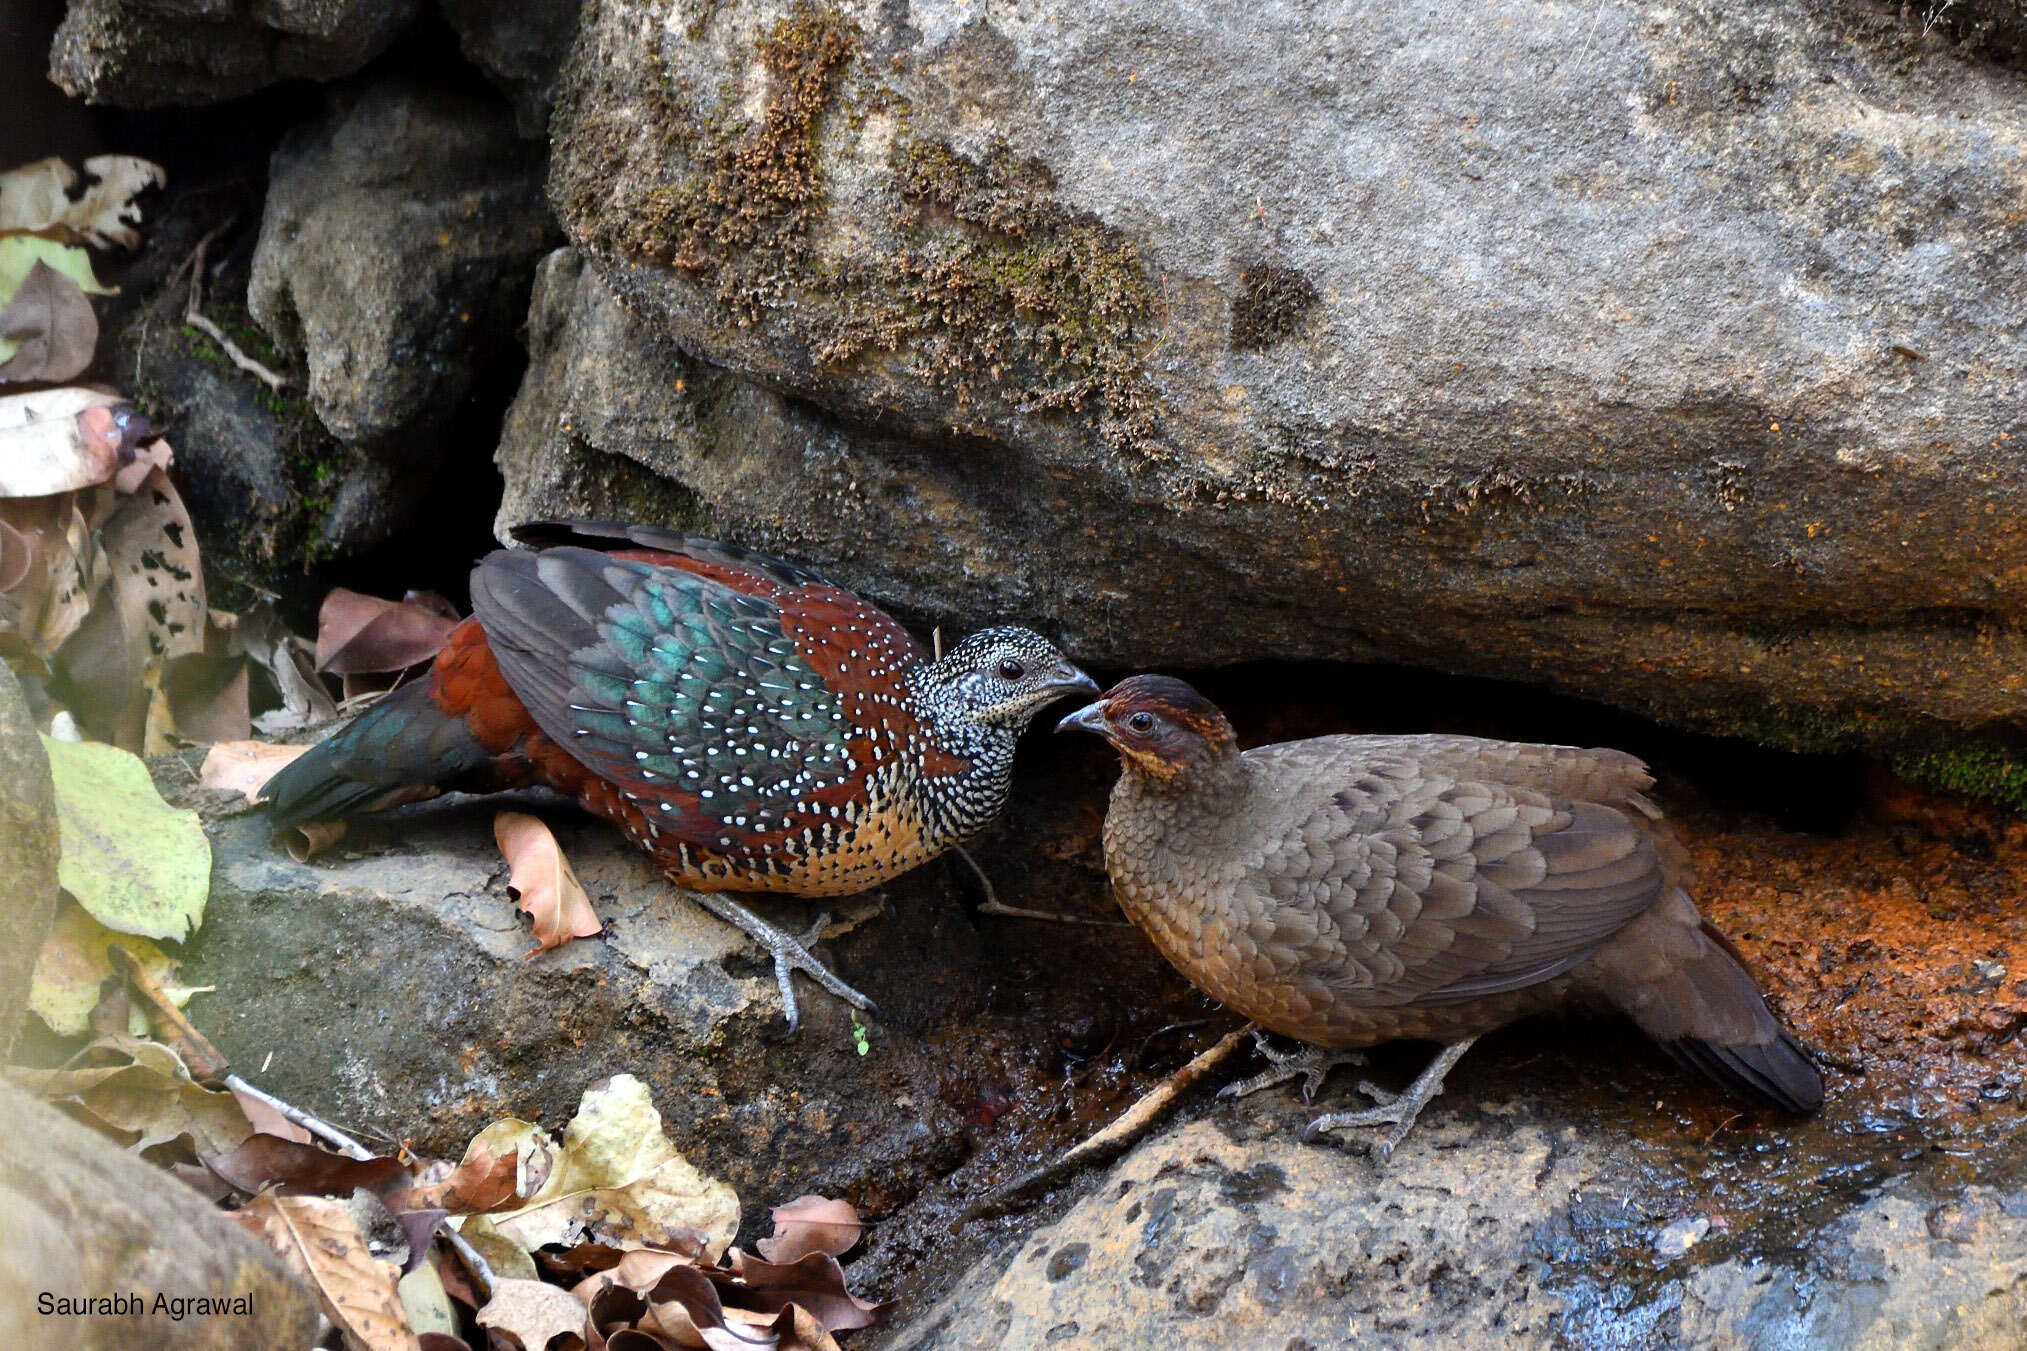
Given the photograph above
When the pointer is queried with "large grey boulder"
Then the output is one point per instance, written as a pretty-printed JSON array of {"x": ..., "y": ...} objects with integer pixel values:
[
  {"x": 84, "y": 1220},
  {"x": 1667, "y": 356},
  {"x": 1510, "y": 1228},
  {"x": 394, "y": 256},
  {"x": 152, "y": 53},
  {"x": 520, "y": 47},
  {"x": 615, "y": 421}
]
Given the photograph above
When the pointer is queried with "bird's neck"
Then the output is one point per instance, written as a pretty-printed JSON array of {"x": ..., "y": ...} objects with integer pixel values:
[
  {"x": 959, "y": 804},
  {"x": 1198, "y": 797},
  {"x": 1157, "y": 829}
]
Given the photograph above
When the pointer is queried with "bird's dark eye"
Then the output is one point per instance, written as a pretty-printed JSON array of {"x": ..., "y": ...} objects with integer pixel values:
[
  {"x": 1011, "y": 669},
  {"x": 1141, "y": 722}
]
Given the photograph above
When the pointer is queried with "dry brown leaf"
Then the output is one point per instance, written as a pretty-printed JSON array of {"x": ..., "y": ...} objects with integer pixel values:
[
  {"x": 685, "y": 1306},
  {"x": 319, "y": 1237},
  {"x": 811, "y": 1224},
  {"x": 616, "y": 1179},
  {"x": 244, "y": 766},
  {"x": 535, "y": 1313},
  {"x": 58, "y": 602},
  {"x": 506, "y": 1256},
  {"x": 157, "y": 576},
  {"x": 72, "y": 967},
  {"x": 307, "y": 839},
  {"x": 157, "y": 454},
  {"x": 359, "y": 634},
  {"x": 547, "y": 889},
  {"x": 269, "y": 644},
  {"x": 817, "y": 1283},
  {"x": 267, "y": 1121},
  {"x": 200, "y": 701},
  {"x": 428, "y": 1304},
  {"x": 260, "y": 1162},
  {"x": 51, "y": 318},
  {"x": 483, "y": 1180}
]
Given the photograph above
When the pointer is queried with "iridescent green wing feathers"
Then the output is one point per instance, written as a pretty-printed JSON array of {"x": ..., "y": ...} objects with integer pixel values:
[{"x": 684, "y": 693}]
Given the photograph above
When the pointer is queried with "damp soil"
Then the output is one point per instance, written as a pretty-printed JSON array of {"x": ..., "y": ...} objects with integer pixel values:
[{"x": 1887, "y": 924}]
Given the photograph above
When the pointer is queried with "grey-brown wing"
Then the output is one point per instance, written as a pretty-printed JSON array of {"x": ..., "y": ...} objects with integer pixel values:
[
  {"x": 1578, "y": 773},
  {"x": 1405, "y": 886}
]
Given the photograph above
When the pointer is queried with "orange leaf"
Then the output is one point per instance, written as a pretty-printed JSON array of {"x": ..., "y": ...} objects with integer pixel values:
[
  {"x": 547, "y": 889},
  {"x": 244, "y": 766},
  {"x": 482, "y": 1181}
]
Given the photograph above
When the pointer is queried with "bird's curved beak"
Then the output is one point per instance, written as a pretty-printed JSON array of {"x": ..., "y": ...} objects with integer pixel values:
[
  {"x": 1069, "y": 680},
  {"x": 1089, "y": 718}
]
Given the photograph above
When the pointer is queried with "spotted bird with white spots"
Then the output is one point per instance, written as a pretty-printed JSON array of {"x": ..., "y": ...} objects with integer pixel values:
[{"x": 747, "y": 723}]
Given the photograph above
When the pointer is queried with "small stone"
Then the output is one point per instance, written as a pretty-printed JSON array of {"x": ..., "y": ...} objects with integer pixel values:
[{"x": 1680, "y": 1236}]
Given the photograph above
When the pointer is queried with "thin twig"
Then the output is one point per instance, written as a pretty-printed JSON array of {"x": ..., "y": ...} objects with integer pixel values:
[
  {"x": 196, "y": 320},
  {"x": 316, "y": 1126},
  {"x": 992, "y": 904},
  {"x": 482, "y": 1273},
  {"x": 193, "y": 315},
  {"x": 1115, "y": 1138}
]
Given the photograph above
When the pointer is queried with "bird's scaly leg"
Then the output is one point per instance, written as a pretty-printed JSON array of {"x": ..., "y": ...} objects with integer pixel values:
[
  {"x": 1312, "y": 1063},
  {"x": 1397, "y": 1109},
  {"x": 789, "y": 954}
]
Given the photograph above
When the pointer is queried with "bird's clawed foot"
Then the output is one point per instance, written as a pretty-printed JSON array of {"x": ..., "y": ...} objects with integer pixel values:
[
  {"x": 1398, "y": 1110},
  {"x": 1311, "y": 1063},
  {"x": 789, "y": 955}
]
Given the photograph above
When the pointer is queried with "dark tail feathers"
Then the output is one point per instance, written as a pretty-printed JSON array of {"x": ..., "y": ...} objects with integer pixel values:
[
  {"x": 403, "y": 742},
  {"x": 1779, "y": 1072},
  {"x": 1770, "y": 1064}
]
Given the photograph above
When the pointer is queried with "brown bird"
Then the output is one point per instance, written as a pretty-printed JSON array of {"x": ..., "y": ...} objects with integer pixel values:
[{"x": 1350, "y": 890}]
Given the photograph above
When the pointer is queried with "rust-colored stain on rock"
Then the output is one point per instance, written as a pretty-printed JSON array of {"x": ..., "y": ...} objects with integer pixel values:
[{"x": 1886, "y": 948}]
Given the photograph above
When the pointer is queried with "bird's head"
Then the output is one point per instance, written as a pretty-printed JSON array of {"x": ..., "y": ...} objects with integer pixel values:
[
  {"x": 1161, "y": 727},
  {"x": 1002, "y": 677}
]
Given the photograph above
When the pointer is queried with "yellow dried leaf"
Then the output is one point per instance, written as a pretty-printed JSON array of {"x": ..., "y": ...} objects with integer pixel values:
[
  {"x": 617, "y": 1179},
  {"x": 319, "y": 1239}
]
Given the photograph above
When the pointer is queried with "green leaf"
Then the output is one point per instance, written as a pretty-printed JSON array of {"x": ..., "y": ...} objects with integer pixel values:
[
  {"x": 72, "y": 965},
  {"x": 18, "y": 256},
  {"x": 135, "y": 863}
]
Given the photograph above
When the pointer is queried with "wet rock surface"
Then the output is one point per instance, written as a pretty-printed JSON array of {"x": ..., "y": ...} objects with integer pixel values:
[
  {"x": 153, "y": 53},
  {"x": 394, "y": 248},
  {"x": 1505, "y": 1224},
  {"x": 1660, "y": 356}
]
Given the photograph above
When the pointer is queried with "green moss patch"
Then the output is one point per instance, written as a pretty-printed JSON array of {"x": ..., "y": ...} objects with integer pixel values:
[
  {"x": 1004, "y": 279},
  {"x": 992, "y": 291},
  {"x": 1989, "y": 773}
]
